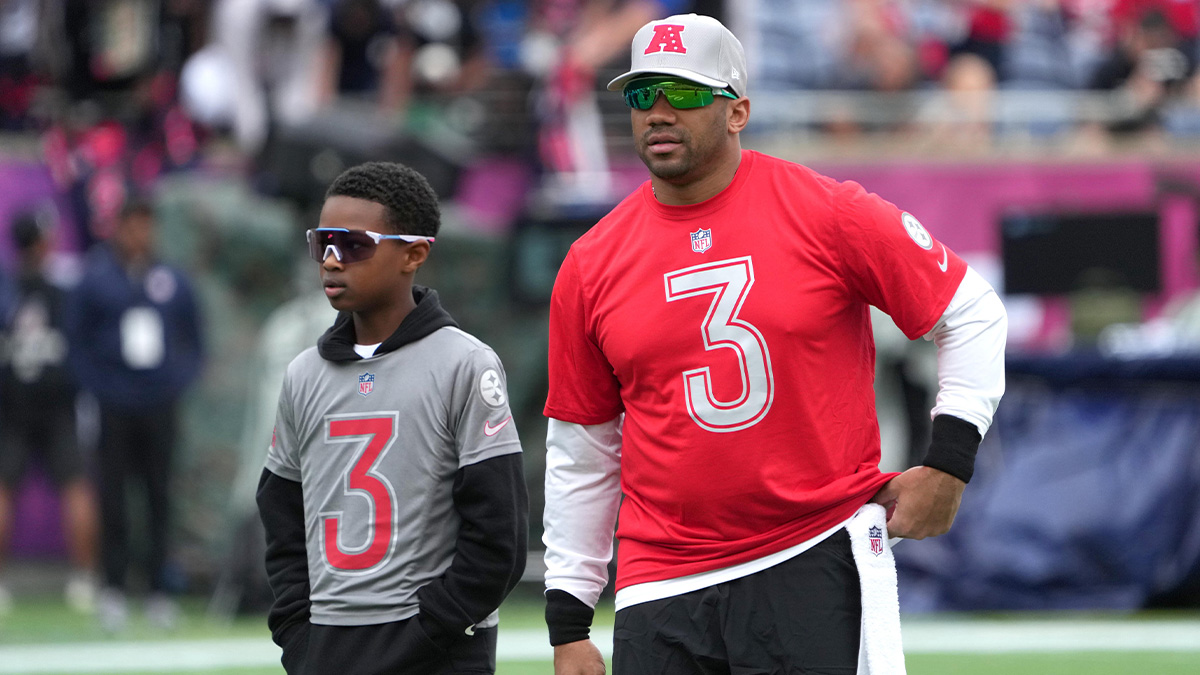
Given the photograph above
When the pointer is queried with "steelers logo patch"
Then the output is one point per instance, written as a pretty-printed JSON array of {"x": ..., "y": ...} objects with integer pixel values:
[
  {"x": 917, "y": 231},
  {"x": 492, "y": 389}
]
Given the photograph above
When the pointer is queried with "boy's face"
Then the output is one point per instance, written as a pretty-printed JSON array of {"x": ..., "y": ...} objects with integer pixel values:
[{"x": 379, "y": 282}]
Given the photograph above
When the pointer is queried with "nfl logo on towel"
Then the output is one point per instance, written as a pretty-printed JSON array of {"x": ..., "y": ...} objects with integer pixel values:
[
  {"x": 701, "y": 240},
  {"x": 366, "y": 383},
  {"x": 875, "y": 535}
]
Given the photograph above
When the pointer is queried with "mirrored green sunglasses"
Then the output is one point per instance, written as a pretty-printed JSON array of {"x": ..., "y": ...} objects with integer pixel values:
[{"x": 682, "y": 95}]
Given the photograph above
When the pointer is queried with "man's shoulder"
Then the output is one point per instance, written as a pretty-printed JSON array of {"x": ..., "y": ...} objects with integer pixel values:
[
  {"x": 794, "y": 171},
  {"x": 610, "y": 229},
  {"x": 819, "y": 197}
]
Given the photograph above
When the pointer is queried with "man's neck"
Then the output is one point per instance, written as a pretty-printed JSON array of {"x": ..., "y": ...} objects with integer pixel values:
[{"x": 699, "y": 189}]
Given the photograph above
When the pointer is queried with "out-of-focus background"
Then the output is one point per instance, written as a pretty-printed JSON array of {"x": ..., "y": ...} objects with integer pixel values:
[{"x": 1053, "y": 144}]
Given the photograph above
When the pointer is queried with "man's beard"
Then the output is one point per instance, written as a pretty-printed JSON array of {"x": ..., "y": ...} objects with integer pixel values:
[
  {"x": 671, "y": 168},
  {"x": 689, "y": 156}
]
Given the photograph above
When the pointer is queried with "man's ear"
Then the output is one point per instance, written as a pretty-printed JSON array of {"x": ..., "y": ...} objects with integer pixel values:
[
  {"x": 738, "y": 115},
  {"x": 415, "y": 255}
]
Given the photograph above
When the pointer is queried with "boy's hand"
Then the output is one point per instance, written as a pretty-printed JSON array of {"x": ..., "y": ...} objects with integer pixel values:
[{"x": 578, "y": 658}]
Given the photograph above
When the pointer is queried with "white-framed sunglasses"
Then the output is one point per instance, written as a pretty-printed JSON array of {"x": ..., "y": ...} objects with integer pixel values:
[{"x": 350, "y": 246}]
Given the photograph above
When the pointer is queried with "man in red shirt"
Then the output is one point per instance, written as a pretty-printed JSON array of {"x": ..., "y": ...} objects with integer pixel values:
[{"x": 711, "y": 361}]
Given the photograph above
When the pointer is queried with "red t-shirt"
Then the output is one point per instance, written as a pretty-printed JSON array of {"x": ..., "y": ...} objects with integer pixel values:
[{"x": 735, "y": 336}]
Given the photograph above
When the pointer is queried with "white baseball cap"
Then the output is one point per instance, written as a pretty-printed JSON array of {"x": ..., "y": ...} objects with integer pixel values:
[{"x": 691, "y": 46}]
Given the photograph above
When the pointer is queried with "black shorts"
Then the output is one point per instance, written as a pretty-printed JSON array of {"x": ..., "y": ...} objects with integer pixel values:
[
  {"x": 396, "y": 647},
  {"x": 800, "y": 616},
  {"x": 47, "y": 437}
]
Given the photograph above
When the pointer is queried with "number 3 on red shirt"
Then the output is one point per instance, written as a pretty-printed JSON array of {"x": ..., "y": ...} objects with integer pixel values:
[
  {"x": 729, "y": 282},
  {"x": 362, "y": 480}
]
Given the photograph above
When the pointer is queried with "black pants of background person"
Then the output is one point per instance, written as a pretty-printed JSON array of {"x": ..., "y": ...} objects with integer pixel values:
[
  {"x": 135, "y": 449},
  {"x": 44, "y": 436},
  {"x": 800, "y": 616}
]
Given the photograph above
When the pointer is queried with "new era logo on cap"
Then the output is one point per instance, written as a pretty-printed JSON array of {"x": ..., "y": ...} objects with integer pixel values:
[{"x": 689, "y": 46}]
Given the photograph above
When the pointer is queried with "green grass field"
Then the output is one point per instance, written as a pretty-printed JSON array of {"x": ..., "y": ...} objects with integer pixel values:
[{"x": 42, "y": 636}]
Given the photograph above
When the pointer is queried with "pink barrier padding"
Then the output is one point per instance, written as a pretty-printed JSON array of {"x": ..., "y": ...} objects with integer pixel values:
[
  {"x": 37, "y": 526},
  {"x": 25, "y": 186},
  {"x": 962, "y": 205}
]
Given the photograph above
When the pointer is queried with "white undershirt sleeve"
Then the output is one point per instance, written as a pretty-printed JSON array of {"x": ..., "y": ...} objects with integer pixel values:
[
  {"x": 970, "y": 338},
  {"x": 583, "y": 492}
]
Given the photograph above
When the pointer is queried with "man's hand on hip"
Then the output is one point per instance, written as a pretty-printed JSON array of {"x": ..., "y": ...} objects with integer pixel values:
[
  {"x": 578, "y": 658},
  {"x": 921, "y": 502}
]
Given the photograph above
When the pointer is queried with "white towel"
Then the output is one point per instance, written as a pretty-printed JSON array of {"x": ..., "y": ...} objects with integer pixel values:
[{"x": 880, "y": 651}]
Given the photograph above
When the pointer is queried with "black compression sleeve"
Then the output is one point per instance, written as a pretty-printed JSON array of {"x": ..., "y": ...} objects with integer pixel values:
[
  {"x": 281, "y": 507},
  {"x": 567, "y": 617},
  {"x": 490, "y": 552},
  {"x": 953, "y": 447}
]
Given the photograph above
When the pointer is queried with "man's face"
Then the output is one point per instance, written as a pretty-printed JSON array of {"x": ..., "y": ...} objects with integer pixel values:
[
  {"x": 134, "y": 238},
  {"x": 374, "y": 283},
  {"x": 680, "y": 145}
]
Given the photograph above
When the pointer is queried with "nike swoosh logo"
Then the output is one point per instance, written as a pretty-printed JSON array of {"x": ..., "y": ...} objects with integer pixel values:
[
  {"x": 945, "y": 260},
  {"x": 489, "y": 430}
]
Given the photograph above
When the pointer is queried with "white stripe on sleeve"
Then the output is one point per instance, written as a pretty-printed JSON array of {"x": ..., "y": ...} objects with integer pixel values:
[
  {"x": 583, "y": 492},
  {"x": 970, "y": 338}
]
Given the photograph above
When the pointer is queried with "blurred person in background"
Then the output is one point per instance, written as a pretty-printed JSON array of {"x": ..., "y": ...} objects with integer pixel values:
[
  {"x": 440, "y": 51},
  {"x": 110, "y": 48},
  {"x": 19, "y": 78},
  {"x": 831, "y": 44},
  {"x": 37, "y": 409},
  {"x": 266, "y": 59},
  {"x": 961, "y": 122},
  {"x": 362, "y": 58},
  {"x": 737, "y": 438},
  {"x": 1153, "y": 57},
  {"x": 112, "y": 119},
  {"x": 988, "y": 30},
  {"x": 566, "y": 43},
  {"x": 135, "y": 343},
  {"x": 861, "y": 45},
  {"x": 1053, "y": 44}
]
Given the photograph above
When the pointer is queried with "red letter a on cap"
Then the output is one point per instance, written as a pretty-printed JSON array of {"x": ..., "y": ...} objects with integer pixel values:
[{"x": 666, "y": 39}]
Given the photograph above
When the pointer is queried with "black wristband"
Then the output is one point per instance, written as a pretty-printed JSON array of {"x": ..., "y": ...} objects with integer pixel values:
[
  {"x": 953, "y": 447},
  {"x": 568, "y": 619}
]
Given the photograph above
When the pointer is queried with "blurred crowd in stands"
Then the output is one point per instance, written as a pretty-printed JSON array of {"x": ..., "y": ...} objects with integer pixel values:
[{"x": 121, "y": 91}]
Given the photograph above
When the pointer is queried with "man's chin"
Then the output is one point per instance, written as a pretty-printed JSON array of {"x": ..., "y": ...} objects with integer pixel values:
[{"x": 667, "y": 169}]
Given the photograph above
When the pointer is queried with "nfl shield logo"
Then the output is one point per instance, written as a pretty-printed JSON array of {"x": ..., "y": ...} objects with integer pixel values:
[
  {"x": 366, "y": 383},
  {"x": 875, "y": 536},
  {"x": 701, "y": 240}
]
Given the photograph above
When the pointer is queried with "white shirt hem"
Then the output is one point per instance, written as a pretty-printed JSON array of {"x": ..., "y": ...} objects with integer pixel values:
[{"x": 668, "y": 588}]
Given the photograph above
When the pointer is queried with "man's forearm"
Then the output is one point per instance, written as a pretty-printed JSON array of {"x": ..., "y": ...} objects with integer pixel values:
[{"x": 583, "y": 472}]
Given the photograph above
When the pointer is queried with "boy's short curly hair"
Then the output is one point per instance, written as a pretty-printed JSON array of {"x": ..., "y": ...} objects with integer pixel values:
[{"x": 411, "y": 204}]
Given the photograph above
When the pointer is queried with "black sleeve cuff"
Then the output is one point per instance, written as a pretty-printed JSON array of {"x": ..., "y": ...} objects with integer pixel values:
[
  {"x": 953, "y": 447},
  {"x": 490, "y": 550},
  {"x": 567, "y": 617}
]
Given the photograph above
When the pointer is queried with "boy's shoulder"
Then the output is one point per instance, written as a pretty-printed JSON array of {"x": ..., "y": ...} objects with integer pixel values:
[
  {"x": 307, "y": 361},
  {"x": 455, "y": 338},
  {"x": 451, "y": 349}
]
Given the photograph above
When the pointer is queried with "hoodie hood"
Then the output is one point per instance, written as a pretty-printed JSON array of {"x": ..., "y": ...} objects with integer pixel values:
[{"x": 337, "y": 344}]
